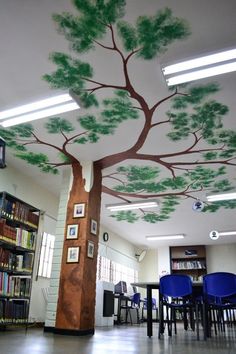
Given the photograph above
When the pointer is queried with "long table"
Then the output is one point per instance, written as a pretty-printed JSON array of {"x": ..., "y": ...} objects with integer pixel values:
[{"x": 149, "y": 286}]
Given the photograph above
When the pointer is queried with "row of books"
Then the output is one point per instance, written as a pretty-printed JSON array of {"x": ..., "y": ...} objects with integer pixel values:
[
  {"x": 196, "y": 278},
  {"x": 17, "y": 235},
  {"x": 25, "y": 238},
  {"x": 194, "y": 264},
  {"x": 12, "y": 285},
  {"x": 7, "y": 232},
  {"x": 24, "y": 262},
  {"x": 16, "y": 210},
  {"x": 16, "y": 262},
  {"x": 7, "y": 259},
  {"x": 13, "y": 311}
]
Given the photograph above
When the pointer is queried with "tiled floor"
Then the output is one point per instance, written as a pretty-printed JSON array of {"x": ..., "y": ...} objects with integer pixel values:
[{"x": 122, "y": 339}]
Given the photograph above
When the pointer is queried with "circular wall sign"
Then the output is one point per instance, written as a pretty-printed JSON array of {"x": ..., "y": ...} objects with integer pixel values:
[{"x": 105, "y": 237}]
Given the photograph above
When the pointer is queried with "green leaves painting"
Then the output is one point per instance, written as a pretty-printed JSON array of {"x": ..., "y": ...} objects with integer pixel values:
[{"x": 193, "y": 116}]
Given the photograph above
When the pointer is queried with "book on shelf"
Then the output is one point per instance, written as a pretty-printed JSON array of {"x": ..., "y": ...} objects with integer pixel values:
[{"x": 16, "y": 210}]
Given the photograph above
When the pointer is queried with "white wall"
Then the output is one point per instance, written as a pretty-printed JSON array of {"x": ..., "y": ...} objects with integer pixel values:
[
  {"x": 221, "y": 258},
  {"x": 117, "y": 249},
  {"x": 24, "y": 188}
]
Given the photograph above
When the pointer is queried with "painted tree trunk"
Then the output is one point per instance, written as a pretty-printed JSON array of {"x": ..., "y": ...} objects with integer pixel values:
[{"x": 76, "y": 301}]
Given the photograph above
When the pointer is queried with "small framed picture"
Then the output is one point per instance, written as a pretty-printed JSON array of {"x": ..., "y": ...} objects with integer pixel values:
[
  {"x": 72, "y": 232},
  {"x": 79, "y": 210},
  {"x": 90, "y": 249},
  {"x": 72, "y": 255},
  {"x": 93, "y": 227}
]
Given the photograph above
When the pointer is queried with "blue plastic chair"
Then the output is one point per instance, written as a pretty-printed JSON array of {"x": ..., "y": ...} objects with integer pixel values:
[
  {"x": 175, "y": 295},
  {"x": 133, "y": 303},
  {"x": 219, "y": 291}
]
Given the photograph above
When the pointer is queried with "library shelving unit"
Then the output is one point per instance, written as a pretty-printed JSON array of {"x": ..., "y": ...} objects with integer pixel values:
[
  {"x": 190, "y": 260},
  {"x": 18, "y": 232}
]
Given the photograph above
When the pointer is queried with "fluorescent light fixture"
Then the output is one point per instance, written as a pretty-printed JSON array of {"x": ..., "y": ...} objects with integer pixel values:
[
  {"x": 39, "y": 109},
  {"x": 200, "y": 74},
  {"x": 132, "y": 206},
  {"x": 164, "y": 237},
  {"x": 209, "y": 64},
  {"x": 227, "y": 233},
  {"x": 222, "y": 196},
  {"x": 199, "y": 62}
]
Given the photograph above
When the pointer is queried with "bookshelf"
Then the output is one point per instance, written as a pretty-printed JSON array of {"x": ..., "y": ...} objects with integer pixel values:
[
  {"x": 18, "y": 232},
  {"x": 190, "y": 260}
]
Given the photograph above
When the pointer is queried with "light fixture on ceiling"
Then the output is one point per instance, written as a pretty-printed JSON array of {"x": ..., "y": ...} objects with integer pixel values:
[
  {"x": 211, "y": 65},
  {"x": 39, "y": 109},
  {"x": 227, "y": 233},
  {"x": 214, "y": 234},
  {"x": 164, "y": 237},
  {"x": 132, "y": 206},
  {"x": 221, "y": 196}
]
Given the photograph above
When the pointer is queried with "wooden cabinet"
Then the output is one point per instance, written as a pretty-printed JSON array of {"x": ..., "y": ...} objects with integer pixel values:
[
  {"x": 18, "y": 232},
  {"x": 190, "y": 260}
]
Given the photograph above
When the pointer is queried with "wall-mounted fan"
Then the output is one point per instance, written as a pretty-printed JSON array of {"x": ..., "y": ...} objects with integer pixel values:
[{"x": 140, "y": 256}]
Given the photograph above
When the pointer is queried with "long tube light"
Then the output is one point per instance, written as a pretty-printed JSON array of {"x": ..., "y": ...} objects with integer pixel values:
[
  {"x": 199, "y": 62},
  {"x": 132, "y": 206},
  {"x": 211, "y": 65},
  {"x": 201, "y": 74},
  {"x": 227, "y": 233},
  {"x": 164, "y": 237},
  {"x": 220, "y": 197},
  {"x": 39, "y": 109}
]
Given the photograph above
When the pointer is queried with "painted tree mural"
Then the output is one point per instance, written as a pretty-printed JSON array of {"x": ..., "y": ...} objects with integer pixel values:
[{"x": 193, "y": 115}]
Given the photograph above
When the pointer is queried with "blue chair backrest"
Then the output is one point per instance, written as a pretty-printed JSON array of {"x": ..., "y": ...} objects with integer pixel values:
[
  {"x": 175, "y": 285},
  {"x": 219, "y": 284},
  {"x": 136, "y": 299}
]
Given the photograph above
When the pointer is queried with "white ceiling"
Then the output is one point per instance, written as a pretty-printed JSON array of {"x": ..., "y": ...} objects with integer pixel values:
[{"x": 27, "y": 37}]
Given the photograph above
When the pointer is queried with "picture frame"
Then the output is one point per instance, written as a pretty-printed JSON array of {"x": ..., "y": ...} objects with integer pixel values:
[
  {"x": 79, "y": 210},
  {"x": 72, "y": 232},
  {"x": 90, "y": 249},
  {"x": 72, "y": 255},
  {"x": 93, "y": 227}
]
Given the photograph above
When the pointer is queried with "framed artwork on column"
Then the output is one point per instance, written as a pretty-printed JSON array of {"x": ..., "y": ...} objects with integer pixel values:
[
  {"x": 72, "y": 255},
  {"x": 72, "y": 232},
  {"x": 90, "y": 249},
  {"x": 93, "y": 227},
  {"x": 79, "y": 210}
]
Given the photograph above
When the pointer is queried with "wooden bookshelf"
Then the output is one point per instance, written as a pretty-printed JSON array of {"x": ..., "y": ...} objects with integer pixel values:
[
  {"x": 190, "y": 260},
  {"x": 18, "y": 232}
]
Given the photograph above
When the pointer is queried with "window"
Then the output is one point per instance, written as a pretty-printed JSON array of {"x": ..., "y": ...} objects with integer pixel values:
[
  {"x": 113, "y": 272},
  {"x": 46, "y": 254}
]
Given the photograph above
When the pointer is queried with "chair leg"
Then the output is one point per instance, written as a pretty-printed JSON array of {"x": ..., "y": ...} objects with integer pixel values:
[
  {"x": 169, "y": 320},
  {"x": 197, "y": 320},
  {"x": 138, "y": 317},
  {"x": 130, "y": 316},
  {"x": 161, "y": 321}
]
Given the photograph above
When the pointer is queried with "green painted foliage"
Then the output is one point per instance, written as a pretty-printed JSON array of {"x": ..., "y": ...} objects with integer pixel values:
[
  {"x": 71, "y": 74},
  {"x": 136, "y": 173},
  {"x": 136, "y": 180},
  {"x": 206, "y": 117},
  {"x": 81, "y": 31},
  {"x": 128, "y": 216},
  {"x": 39, "y": 160},
  {"x": 57, "y": 125},
  {"x": 128, "y": 35},
  {"x": 157, "y": 32},
  {"x": 194, "y": 95}
]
